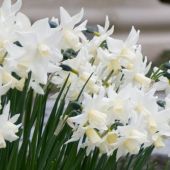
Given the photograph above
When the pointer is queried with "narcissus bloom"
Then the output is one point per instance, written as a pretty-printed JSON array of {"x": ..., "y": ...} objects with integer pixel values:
[{"x": 8, "y": 129}]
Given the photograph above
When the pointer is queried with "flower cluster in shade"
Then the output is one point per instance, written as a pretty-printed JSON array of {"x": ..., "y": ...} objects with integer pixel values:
[{"x": 121, "y": 108}]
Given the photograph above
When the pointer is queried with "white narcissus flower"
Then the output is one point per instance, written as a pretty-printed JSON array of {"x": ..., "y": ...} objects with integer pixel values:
[
  {"x": 8, "y": 129},
  {"x": 137, "y": 74},
  {"x": 71, "y": 34},
  {"x": 8, "y": 26},
  {"x": 102, "y": 34},
  {"x": 10, "y": 22},
  {"x": 132, "y": 137},
  {"x": 117, "y": 46},
  {"x": 125, "y": 58},
  {"x": 80, "y": 71},
  {"x": 120, "y": 104},
  {"x": 38, "y": 50},
  {"x": 93, "y": 115},
  {"x": 105, "y": 30},
  {"x": 124, "y": 49}
]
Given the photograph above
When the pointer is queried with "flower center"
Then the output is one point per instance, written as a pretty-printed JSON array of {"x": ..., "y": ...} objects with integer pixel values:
[{"x": 44, "y": 50}]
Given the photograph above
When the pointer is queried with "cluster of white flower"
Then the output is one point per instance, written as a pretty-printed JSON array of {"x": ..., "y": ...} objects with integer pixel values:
[
  {"x": 123, "y": 120},
  {"x": 120, "y": 108}
]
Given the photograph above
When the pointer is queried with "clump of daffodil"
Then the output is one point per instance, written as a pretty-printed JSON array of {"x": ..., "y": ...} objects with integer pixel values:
[{"x": 110, "y": 78}]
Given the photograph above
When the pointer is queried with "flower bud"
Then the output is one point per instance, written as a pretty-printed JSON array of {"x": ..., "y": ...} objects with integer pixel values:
[
  {"x": 52, "y": 24},
  {"x": 65, "y": 67},
  {"x": 68, "y": 68}
]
